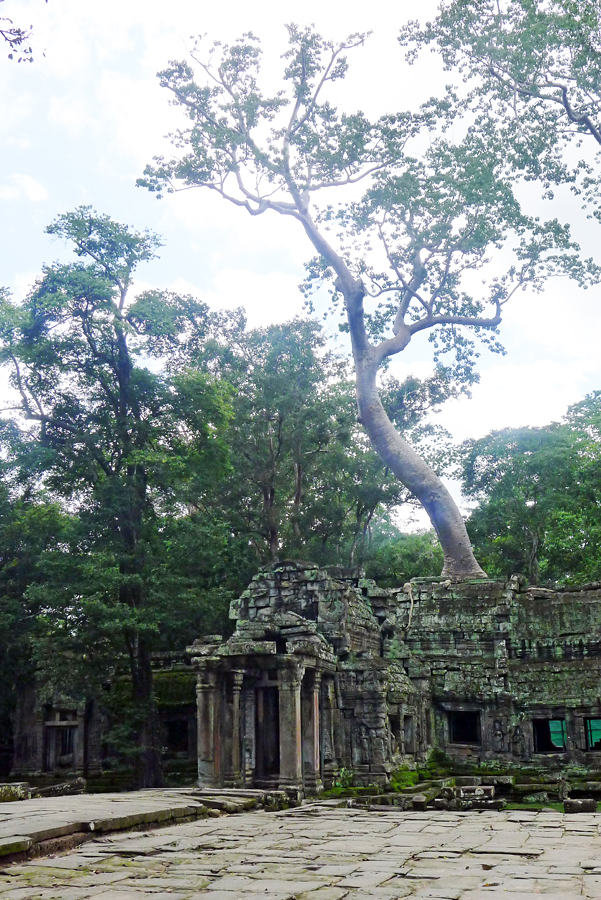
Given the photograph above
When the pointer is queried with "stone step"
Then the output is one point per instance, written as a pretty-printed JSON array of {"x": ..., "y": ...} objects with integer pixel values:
[{"x": 32, "y": 827}]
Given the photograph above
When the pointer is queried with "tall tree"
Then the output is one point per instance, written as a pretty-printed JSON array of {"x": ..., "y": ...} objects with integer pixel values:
[
  {"x": 304, "y": 481},
  {"x": 538, "y": 495},
  {"x": 120, "y": 443},
  {"x": 402, "y": 257}
]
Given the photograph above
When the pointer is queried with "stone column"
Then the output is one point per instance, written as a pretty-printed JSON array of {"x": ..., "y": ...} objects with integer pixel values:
[
  {"x": 208, "y": 743},
  {"x": 312, "y": 736},
  {"x": 236, "y": 771},
  {"x": 291, "y": 772}
]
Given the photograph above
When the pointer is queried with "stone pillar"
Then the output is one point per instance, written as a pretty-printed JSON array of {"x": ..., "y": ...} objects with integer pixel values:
[
  {"x": 236, "y": 769},
  {"x": 79, "y": 744},
  {"x": 208, "y": 743},
  {"x": 291, "y": 773},
  {"x": 312, "y": 738}
]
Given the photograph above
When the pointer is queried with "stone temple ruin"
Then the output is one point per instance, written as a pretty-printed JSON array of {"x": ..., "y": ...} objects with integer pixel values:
[{"x": 328, "y": 673}]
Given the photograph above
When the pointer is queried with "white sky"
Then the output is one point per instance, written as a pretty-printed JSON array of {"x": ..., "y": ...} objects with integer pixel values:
[{"x": 79, "y": 124}]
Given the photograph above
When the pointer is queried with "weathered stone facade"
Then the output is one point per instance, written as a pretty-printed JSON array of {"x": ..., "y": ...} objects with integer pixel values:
[
  {"x": 61, "y": 736},
  {"x": 328, "y": 672}
]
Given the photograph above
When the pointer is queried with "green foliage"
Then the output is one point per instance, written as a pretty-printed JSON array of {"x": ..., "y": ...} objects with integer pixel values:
[
  {"x": 128, "y": 449},
  {"x": 304, "y": 481},
  {"x": 394, "y": 557},
  {"x": 534, "y": 68},
  {"x": 538, "y": 497},
  {"x": 344, "y": 779},
  {"x": 438, "y": 764}
]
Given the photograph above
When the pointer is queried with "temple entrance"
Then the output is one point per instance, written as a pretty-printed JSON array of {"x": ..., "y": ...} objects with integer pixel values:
[{"x": 267, "y": 734}]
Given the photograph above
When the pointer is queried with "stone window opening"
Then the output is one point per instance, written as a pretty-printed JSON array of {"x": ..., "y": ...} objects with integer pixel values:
[
  {"x": 464, "y": 727},
  {"x": 394, "y": 724},
  {"x": 592, "y": 728},
  {"x": 549, "y": 735}
]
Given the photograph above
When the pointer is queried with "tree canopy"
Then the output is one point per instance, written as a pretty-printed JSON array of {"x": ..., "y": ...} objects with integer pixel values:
[
  {"x": 403, "y": 256},
  {"x": 538, "y": 497}
]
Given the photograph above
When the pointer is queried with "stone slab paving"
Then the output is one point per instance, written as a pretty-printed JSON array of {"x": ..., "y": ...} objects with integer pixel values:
[
  {"x": 319, "y": 852},
  {"x": 27, "y": 823}
]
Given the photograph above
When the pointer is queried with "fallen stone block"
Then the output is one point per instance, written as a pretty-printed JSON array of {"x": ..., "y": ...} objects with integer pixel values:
[
  {"x": 580, "y": 806},
  {"x": 536, "y": 788},
  {"x": 17, "y": 844},
  {"x": 64, "y": 789},
  {"x": 18, "y": 790},
  {"x": 499, "y": 781},
  {"x": 483, "y": 792},
  {"x": 419, "y": 801},
  {"x": 485, "y": 804}
]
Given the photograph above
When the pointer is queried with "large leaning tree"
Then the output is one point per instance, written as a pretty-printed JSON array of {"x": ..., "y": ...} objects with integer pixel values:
[{"x": 402, "y": 218}]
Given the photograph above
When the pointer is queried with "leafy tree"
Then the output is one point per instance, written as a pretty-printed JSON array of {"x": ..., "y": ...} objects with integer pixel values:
[
  {"x": 394, "y": 557},
  {"x": 125, "y": 446},
  {"x": 534, "y": 68},
  {"x": 304, "y": 482},
  {"x": 29, "y": 528},
  {"x": 538, "y": 493},
  {"x": 541, "y": 58},
  {"x": 403, "y": 257}
]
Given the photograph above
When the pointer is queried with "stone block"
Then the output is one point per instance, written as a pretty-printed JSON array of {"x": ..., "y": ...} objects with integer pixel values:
[
  {"x": 468, "y": 780},
  {"x": 499, "y": 781},
  {"x": 17, "y": 844},
  {"x": 480, "y": 792},
  {"x": 18, "y": 790},
  {"x": 419, "y": 801},
  {"x": 535, "y": 788},
  {"x": 580, "y": 806},
  {"x": 64, "y": 789}
]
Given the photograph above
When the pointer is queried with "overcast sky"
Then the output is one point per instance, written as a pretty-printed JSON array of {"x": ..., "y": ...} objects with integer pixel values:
[{"x": 79, "y": 124}]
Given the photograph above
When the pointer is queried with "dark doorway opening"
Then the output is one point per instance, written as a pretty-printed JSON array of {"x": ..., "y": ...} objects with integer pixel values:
[
  {"x": 267, "y": 731},
  {"x": 464, "y": 727},
  {"x": 177, "y": 735},
  {"x": 549, "y": 735}
]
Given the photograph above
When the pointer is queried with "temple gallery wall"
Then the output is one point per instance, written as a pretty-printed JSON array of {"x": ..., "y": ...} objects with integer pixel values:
[{"x": 326, "y": 671}]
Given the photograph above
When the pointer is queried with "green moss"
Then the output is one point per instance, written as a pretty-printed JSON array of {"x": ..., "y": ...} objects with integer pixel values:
[{"x": 403, "y": 778}]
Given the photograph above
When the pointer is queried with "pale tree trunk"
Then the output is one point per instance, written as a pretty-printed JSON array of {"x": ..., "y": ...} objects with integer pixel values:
[
  {"x": 409, "y": 468},
  {"x": 418, "y": 477}
]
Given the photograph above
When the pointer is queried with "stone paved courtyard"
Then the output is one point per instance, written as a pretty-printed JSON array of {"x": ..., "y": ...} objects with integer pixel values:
[{"x": 318, "y": 852}]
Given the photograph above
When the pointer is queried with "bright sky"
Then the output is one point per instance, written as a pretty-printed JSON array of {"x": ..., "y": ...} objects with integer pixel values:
[{"x": 78, "y": 125}]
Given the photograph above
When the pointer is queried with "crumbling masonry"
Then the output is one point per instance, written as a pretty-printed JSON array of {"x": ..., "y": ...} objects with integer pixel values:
[{"x": 328, "y": 672}]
